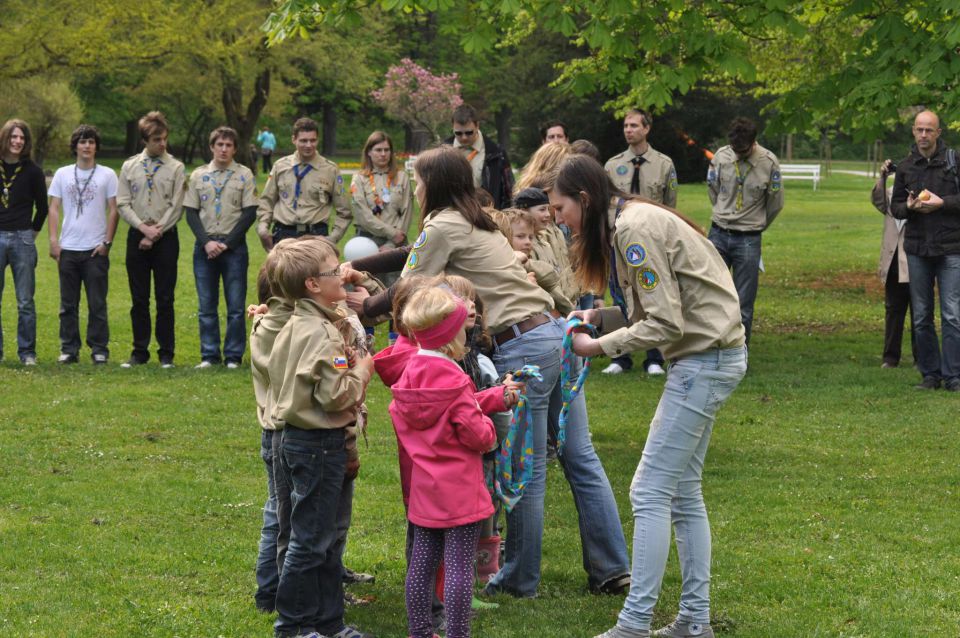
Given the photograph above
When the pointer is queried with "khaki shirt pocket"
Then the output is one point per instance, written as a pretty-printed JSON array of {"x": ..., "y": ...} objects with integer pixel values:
[{"x": 320, "y": 193}]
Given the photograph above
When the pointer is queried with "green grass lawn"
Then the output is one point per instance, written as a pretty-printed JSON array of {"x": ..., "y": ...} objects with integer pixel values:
[{"x": 130, "y": 499}]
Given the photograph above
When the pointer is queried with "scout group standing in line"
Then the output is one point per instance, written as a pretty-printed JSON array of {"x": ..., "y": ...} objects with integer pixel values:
[{"x": 503, "y": 274}]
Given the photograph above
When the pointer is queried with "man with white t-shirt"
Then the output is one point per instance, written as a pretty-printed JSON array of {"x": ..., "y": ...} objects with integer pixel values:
[{"x": 87, "y": 194}]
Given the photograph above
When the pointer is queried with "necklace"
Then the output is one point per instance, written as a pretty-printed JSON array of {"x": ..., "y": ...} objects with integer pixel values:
[
  {"x": 8, "y": 183},
  {"x": 81, "y": 191}
]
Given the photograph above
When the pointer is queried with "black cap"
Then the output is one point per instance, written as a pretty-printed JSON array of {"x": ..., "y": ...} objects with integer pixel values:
[{"x": 530, "y": 197}]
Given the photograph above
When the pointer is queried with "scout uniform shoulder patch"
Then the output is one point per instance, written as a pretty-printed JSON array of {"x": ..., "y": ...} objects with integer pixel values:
[
  {"x": 421, "y": 240},
  {"x": 711, "y": 175},
  {"x": 340, "y": 363},
  {"x": 413, "y": 260},
  {"x": 648, "y": 279},
  {"x": 621, "y": 170},
  {"x": 635, "y": 254},
  {"x": 775, "y": 181},
  {"x": 673, "y": 180}
]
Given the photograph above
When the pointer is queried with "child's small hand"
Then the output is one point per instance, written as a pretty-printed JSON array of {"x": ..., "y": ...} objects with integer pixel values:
[
  {"x": 253, "y": 310},
  {"x": 521, "y": 256},
  {"x": 510, "y": 397},
  {"x": 532, "y": 277},
  {"x": 349, "y": 275},
  {"x": 519, "y": 386}
]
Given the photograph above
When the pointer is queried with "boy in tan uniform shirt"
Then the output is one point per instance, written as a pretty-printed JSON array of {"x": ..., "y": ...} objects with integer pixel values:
[
  {"x": 149, "y": 196},
  {"x": 317, "y": 384},
  {"x": 304, "y": 194}
]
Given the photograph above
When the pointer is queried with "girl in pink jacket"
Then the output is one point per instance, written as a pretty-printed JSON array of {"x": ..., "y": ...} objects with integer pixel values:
[{"x": 444, "y": 434}]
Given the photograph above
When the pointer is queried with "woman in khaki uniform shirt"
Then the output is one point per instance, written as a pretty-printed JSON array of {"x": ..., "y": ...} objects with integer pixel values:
[
  {"x": 459, "y": 238},
  {"x": 681, "y": 299}
]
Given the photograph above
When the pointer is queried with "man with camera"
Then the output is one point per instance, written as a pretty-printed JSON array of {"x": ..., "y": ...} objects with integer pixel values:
[{"x": 926, "y": 193}]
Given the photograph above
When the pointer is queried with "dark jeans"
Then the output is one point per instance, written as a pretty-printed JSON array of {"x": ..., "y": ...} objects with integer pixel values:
[
  {"x": 231, "y": 267},
  {"x": 310, "y": 592},
  {"x": 161, "y": 262},
  {"x": 266, "y": 156},
  {"x": 267, "y": 571},
  {"x": 19, "y": 251},
  {"x": 945, "y": 272},
  {"x": 741, "y": 253},
  {"x": 79, "y": 267},
  {"x": 897, "y": 302}
]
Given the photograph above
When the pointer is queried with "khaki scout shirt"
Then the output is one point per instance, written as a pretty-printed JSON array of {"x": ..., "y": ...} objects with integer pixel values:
[
  {"x": 680, "y": 296},
  {"x": 262, "y": 335},
  {"x": 749, "y": 200},
  {"x": 238, "y": 192},
  {"x": 551, "y": 247},
  {"x": 658, "y": 177},
  {"x": 395, "y": 216},
  {"x": 450, "y": 244},
  {"x": 312, "y": 385},
  {"x": 321, "y": 191},
  {"x": 150, "y": 191}
]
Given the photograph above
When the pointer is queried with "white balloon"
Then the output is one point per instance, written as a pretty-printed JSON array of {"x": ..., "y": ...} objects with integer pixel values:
[{"x": 359, "y": 247}]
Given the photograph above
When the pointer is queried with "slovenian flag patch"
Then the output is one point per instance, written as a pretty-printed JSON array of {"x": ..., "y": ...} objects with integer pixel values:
[{"x": 340, "y": 363}]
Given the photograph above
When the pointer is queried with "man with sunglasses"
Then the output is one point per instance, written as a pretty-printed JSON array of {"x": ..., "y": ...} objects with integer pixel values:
[
  {"x": 746, "y": 191},
  {"x": 490, "y": 164}
]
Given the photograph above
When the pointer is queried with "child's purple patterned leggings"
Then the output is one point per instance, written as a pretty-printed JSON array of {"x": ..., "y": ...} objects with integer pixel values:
[{"x": 457, "y": 547}]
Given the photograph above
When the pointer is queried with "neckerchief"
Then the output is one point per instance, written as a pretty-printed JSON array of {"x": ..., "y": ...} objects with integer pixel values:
[
  {"x": 296, "y": 173},
  {"x": 570, "y": 388},
  {"x": 616, "y": 292},
  {"x": 8, "y": 183},
  {"x": 218, "y": 190},
  {"x": 378, "y": 200},
  {"x": 82, "y": 191},
  {"x": 150, "y": 175},
  {"x": 514, "y": 463}
]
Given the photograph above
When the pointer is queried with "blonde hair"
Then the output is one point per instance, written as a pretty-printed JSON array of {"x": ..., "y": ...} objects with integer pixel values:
[
  {"x": 428, "y": 307},
  {"x": 295, "y": 261},
  {"x": 544, "y": 162},
  {"x": 507, "y": 217},
  {"x": 402, "y": 291}
]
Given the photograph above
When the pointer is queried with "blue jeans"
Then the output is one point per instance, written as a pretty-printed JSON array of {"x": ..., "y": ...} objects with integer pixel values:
[
  {"x": 741, "y": 253},
  {"x": 601, "y": 533},
  {"x": 231, "y": 267},
  {"x": 945, "y": 271},
  {"x": 666, "y": 486},
  {"x": 18, "y": 249},
  {"x": 310, "y": 591},
  {"x": 267, "y": 571}
]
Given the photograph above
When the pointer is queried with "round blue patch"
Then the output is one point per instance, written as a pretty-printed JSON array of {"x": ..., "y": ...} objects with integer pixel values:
[
  {"x": 648, "y": 279},
  {"x": 413, "y": 260},
  {"x": 206, "y": 178},
  {"x": 421, "y": 240},
  {"x": 636, "y": 254},
  {"x": 134, "y": 188},
  {"x": 621, "y": 170},
  {"x": 283, "y": 194}
]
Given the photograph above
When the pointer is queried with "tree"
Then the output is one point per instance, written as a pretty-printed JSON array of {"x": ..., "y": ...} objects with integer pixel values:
[
  {"x": 417, "y": 97},
  {"x": 49, "y": 106}
]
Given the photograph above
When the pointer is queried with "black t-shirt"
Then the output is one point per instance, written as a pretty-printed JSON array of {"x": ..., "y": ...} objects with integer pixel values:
[{"x": 27, "y": 193}]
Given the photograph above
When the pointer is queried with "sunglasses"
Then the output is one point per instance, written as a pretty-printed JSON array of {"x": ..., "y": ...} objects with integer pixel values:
[{"x": 464, "y": 133}]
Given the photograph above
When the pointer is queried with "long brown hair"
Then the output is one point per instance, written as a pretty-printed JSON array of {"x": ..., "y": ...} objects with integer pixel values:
[
  {"x": 7, "y": 131},
  {"x": 448, "y": 183},
  {"x": 582, "y": 175},
  {"x": 366, "y": 164}
]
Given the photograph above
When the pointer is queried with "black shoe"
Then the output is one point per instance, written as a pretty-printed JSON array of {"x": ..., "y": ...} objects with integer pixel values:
[
  {"x": 928, "y": 383},
  {"x": 351, "y": 577},
  {"x": 616, "y": 585},
  {"x": 67, "y": 358},
  {"x": 952, "y": 385}
]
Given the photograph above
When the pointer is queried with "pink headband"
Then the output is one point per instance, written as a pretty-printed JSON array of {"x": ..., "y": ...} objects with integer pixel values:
[{"x": 445, "y": 331}]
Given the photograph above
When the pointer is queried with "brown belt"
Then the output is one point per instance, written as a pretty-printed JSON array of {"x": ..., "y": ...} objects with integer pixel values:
[
  {"x": 555, "y": 313},
  {"x": 521, "y": 327}
]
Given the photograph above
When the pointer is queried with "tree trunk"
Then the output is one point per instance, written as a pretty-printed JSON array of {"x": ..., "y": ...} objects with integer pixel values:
[
  {"x": 789, "y": 147},
  {"x": 132, "y": 141},
  {"x": 329, "y": 130},
  {"x": 244, "y": 120},
  {"x": 502, "y": 119}
]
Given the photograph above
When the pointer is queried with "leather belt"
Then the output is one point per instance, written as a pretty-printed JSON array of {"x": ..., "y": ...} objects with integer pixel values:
[
  {"x": 320, "y": 228},
  {"x": 737, "y": 233},
  {"x": 520, "y": 328},
  {"x": 555, "y": 313}
]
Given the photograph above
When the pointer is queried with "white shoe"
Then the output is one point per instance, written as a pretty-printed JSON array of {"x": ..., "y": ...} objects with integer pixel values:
[
  {"x": 655, "y": 370},
  {"x": 232, "y": 365},
  {"x": 167, "y": 365},
  {"x": 613, "y": 368},
  {"x": 203, "y": 365}
]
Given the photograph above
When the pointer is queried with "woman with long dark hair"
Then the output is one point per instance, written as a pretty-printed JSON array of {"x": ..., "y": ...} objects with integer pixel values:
[
  {"x": 680, "y": 298},
  {"x": 457, "y": 237}
]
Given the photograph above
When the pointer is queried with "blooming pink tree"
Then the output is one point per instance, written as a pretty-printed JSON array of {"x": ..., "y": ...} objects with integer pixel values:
[{"x": 418, "y": 98}]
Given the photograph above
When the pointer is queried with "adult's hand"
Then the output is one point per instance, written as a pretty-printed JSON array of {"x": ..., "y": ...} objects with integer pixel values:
[
  {"x": 101, "y": 250},
  {"x": 266, "y": 240},
  {"x": 355, "y": 300},
  {"x": 591, "y": 316},
  {"x": 55, "y": 250},
  {"x": 151, "y": 232},
  {"x": 213, "y": 249}
]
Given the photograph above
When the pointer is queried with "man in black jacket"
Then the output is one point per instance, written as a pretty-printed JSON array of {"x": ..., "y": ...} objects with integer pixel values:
[
  {"x": 926, "y": 193},
  {"x": 491, "y": 166}
]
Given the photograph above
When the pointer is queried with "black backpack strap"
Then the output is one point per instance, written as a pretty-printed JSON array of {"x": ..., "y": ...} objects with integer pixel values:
[{"x": 952, "y": 167}]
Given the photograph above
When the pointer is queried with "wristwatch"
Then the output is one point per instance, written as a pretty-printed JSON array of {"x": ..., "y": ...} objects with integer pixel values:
[{"x": 108, "y": 244}]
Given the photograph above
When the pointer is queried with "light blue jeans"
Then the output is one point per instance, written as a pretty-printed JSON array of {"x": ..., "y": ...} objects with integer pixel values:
[
  {"x": 601, "y": 533},
  {"x": 666, "y": 486},
  {"x": 19, "y": 251}
]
